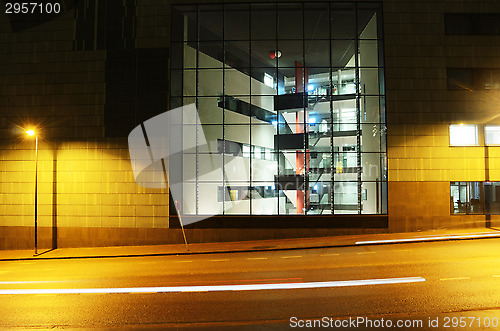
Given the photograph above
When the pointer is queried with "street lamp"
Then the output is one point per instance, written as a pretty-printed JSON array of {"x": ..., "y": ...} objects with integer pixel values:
[{"x": 32, "y": 133}]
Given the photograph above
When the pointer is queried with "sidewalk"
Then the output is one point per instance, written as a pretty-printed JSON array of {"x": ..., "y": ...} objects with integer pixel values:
[{"x": 250, "y": 246}]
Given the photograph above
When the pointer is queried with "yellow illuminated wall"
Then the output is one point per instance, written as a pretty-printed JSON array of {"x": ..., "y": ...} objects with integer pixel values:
[
  {"x": 420, "y": 108},
  {"x": 81, "y": 185}
]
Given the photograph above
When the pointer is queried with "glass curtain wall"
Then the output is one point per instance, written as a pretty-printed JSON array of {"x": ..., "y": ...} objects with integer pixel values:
[{"x": 291, "y": 103}]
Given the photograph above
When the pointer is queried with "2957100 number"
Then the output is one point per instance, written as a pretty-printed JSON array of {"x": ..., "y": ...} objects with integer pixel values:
[
  {"x": 470, "y": 321},
  {"x": 32, "y": 8}
]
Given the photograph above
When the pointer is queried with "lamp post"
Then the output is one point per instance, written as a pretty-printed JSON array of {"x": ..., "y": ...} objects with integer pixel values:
[{"x": 32, "y": 133}]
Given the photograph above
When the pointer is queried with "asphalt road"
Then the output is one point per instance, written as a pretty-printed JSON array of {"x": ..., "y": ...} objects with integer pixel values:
[{"x": 438, "y": 283}]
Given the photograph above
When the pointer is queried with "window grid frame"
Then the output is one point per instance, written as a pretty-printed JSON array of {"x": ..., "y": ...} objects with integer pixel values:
[{"x": 358, "y": 97}]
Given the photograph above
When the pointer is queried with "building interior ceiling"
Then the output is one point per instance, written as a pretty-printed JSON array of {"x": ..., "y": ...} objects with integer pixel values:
[{"x": 239, "y": 54}]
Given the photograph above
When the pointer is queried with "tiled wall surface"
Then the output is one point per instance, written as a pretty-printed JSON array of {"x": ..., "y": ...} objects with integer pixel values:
[
  {"x": 420, "y": 109},
  {"x": 86, "y": 188}
]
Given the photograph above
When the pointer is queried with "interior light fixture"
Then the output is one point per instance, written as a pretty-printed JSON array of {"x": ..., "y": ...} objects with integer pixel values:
[{"x": 275, "y": 54}]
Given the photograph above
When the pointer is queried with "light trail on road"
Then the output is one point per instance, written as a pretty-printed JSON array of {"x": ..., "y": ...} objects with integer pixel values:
[
  {"x": 218, "y": 288},
  {"x": 255, "y": 290},
  {"x": 422, "y": 239}
]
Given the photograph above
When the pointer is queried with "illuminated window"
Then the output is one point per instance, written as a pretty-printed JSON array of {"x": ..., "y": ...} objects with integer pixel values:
[
  {"x": 492, "y": 135},
  {"x": 463, "y": 135},
  {"x": 246, "y": 151},
  {"x": 233, "y": 195},
  {"x": 268, "y": 80},
  {"x": 467, "y": 197},
  {"x": 257, "y": 152},
  {"x": 475, "y": 198},
  {"x": 269, "y": 155},
  {"x": 323, "y": 98}
]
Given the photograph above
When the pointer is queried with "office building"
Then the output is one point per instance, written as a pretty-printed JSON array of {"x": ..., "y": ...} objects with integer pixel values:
[{"x": 314, "y": 118}]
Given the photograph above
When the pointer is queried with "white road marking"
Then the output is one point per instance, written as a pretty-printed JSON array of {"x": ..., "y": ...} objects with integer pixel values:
[
  {"x": 455, "y": 278},
  {"x": 495, "y": 276},
  {"x": 335, "y": 254},
  {"x": 427, "y": 239},
  {"x": 451, "y": 234},
  {"x": 256, "y": 258},
  {"x": 291, "y": 257},
  {"x": 183, "y": 261},
  {"x": 218, "y": 288},
  {"x": 365, "y": 253},
  {"x": 34, "y": 281},
  {"x": 221, "y": 260}
]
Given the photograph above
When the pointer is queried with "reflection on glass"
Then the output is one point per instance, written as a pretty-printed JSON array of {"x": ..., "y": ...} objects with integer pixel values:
[{"x": 492, "y": 198}]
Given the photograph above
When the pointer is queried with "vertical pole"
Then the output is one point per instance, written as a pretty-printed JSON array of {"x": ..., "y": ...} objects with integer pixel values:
[
  {"x": 178, "y": 207},
  {"x": 36, "y": 195},
  {"x": 486, "y": 179},
  {"x": 330, "y": 70},
  {"x": 301, "y": 119},
  {"x": 177, "y": 203}
]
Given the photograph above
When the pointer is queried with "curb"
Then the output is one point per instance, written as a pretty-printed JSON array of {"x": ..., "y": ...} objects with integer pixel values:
[{"x": 273, "y": 249}]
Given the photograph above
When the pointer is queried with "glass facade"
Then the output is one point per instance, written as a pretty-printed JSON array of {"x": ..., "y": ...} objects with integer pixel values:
[
  {"x": 291, "y": 102},
  {"x": 475, "y": 198}
]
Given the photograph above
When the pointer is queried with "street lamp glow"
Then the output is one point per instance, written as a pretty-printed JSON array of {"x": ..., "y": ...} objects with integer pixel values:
[{"x": 32, "y": 133}]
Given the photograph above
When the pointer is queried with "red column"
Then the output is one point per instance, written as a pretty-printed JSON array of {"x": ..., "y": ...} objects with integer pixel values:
[{"x": 301, "y": 82}]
